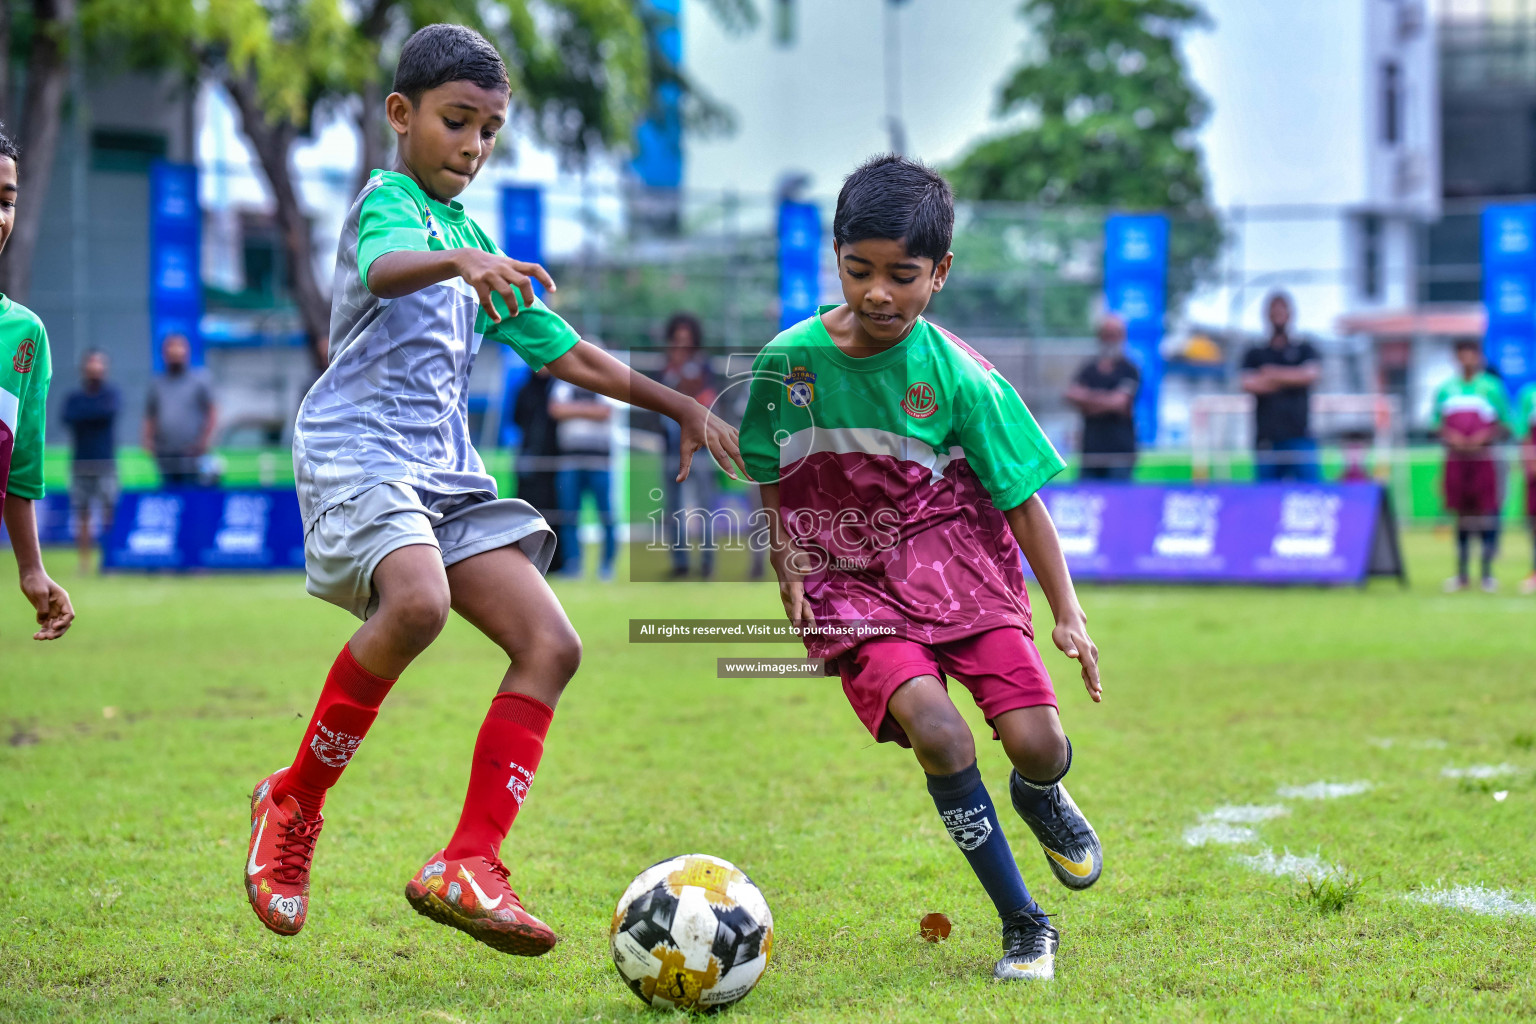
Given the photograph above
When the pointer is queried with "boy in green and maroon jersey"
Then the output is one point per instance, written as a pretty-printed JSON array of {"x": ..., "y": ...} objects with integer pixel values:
[
  {"x": 25, "y": 371},
  {"x": 902, "y": 471},
  {"x": 1471, "y": 412},
  {"x": 1525, "y": 430}
]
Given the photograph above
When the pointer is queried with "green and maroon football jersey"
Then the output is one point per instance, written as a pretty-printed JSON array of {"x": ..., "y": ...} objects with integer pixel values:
[
  {"x": 892, "y": 471},
  {"x": 25, "y": 371},
  {"x": 1469, "y": 406}
]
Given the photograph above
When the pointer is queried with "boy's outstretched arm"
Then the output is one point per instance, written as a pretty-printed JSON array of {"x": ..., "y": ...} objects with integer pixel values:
[
  {"x": 405, "y": 270},
  {"x": 1036, "y": 534},
  {"x": 589, "y": 367},
  {"x": 54, "y": 612}
]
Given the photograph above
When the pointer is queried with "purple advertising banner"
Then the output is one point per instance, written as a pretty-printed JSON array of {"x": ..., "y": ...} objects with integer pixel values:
[{"x": 1226, "y": 533}]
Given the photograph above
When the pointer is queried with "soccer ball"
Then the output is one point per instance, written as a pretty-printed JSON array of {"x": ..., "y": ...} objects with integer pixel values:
[{"x": 691, "y": 933}]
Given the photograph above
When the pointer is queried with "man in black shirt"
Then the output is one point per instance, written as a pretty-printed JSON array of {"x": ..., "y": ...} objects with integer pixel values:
[
  {"x": 539, "y": 456},
  {"x": 1104, "y": 390},
  {"x": 1280, "y": 376},
  {"x": 90, "y": 412}
]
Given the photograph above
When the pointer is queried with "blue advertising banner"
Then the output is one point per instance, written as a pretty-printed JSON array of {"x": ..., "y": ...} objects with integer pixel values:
[
  {"x": 54, "y": 523},
  {"x": 522, "y": 238},
  {"x": 522, "y": 225},
  {"x": 658, "y": 159},
  {"x": 1136, "y": 290},
  {"x": 205, "y": 529},
  {"x": 1509, "y": 291},
  {"x": 175, "y": 257},
  {"x": 1238, "y": 533},
  {"x": 799, "y": 261}
]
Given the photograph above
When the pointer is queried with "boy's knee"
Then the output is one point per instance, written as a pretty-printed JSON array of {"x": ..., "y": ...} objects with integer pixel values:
[
  {"x": 418, "y": 617},
  {"x": 557, "y": 651},
  {"x": 1043, "y": 755},
  {"x": 943, "y": 743}
]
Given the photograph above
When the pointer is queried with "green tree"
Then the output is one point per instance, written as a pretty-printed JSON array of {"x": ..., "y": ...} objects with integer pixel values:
[
  {"x": 1108, "y": 116},
  {"x": 34, "y": 40},
  {"x": 581, "y": 70}
]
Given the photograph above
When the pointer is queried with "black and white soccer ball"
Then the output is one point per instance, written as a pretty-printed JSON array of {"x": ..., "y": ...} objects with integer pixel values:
[{"x": 691, "y": 933}]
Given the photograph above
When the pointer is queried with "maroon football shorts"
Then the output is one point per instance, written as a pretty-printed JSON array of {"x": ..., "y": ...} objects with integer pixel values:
[
  {"x": 1472, "y": 486},
  {"x": 1000, "y": 667}
]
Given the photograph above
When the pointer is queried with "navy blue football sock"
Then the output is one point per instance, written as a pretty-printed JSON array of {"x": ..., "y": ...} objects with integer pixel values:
[
  {"x": 1031, "y": 795},
  {"x": 1490, "y": 551},
  {"x": 968, "y": 815},
  {"x": 1463, "y": 551}
]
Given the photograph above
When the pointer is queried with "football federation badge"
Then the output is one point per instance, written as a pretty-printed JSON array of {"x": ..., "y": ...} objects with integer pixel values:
[
  {"x": 432, "y": 227},
  {"x": 802, "y": 386}
]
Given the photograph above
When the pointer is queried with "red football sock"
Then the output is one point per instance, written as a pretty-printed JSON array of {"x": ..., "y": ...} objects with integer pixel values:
[
  {"x": 507, "y": 754},
  {"x": 348, "y": 705}
]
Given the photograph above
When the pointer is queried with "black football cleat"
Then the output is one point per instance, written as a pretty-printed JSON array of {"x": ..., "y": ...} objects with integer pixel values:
[
  {"x": 1029, "y": 950},
  {"x": 1071, "y": 847}
]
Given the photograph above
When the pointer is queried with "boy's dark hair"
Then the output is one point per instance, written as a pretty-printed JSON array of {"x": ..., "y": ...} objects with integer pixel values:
[
  {"x": 439, "y": 54},
  {"x": 899, "y": 199},
  {"x": 1466, "y": 343},
  {"x": 8, "y": 148},
  {"x": 688, "y": 320}
]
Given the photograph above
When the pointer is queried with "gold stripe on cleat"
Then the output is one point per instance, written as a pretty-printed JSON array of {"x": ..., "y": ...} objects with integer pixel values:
[{"x": 1072, "y": 867}]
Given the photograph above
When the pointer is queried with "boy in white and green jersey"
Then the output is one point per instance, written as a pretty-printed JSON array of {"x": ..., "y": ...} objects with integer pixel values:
[
  {"x": 902, "y": 471},
  {"x": 403, "y": 523},
  {"x": 26, "y": 368},
  {"x": 1525, "y": 432}
]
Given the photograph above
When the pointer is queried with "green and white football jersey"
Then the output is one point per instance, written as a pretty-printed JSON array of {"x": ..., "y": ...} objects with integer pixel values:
[{"x": 393, "y": 405}]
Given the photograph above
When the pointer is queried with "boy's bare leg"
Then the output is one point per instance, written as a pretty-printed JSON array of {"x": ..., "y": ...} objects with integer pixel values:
[
  {"x": 1033, "y": 740},
  {"x": 466, "y": 885},
  {"x": 940, "y": 737},
  {"x": 413, "y": 608},
  {"x": 1041, "y": 756},
  {"x": 502, "y": 594}
]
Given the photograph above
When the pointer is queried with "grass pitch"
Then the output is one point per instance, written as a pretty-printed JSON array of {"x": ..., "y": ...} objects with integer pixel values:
[{"x": 134, "y": 742}]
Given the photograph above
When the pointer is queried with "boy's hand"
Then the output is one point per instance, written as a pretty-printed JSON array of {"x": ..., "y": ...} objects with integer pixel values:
[
  {"x": 703, "y": 429},
  {"x": 488, "y": 273},
  {"x": 1071, "y": 635},
  {"x": 54, "y": 612},
  {"x": 796, "y": 606}
]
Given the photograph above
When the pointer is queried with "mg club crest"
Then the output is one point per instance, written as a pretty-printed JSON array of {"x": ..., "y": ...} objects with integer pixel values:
[{"x": 801, "y": 383}]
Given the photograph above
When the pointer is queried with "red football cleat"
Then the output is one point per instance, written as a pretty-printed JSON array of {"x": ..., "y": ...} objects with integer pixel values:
[
  {"x": 473, "y": 895},
  {"x": 277, "y": 864}
]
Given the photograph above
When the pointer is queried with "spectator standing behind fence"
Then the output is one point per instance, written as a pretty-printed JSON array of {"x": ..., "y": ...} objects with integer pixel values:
[
  {"x": 1104, "y": 390},
  {"x": 1471, "y": 411},
  {"x": 179, "y": 420},
  {"x": 584, "y": 428},
  {"x": 688, "y": 371},
  {"x": 90, "y": 412},
  {"x": 539, "y": 456},
  {"x": 1525, "y": 428},
  {"x": 1280, "y": 375}
]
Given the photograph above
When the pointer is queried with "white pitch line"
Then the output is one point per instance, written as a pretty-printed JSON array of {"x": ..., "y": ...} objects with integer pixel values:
[
  {"x": 1289, "y": 865},
  {"x": 1323, "y": 790},
  {"x": 1480, "y": 771},
  {"x": 1478, "y": 900},
  {"x": 1247, "y": 814},
  {"x": 1219, "y": 832}
]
